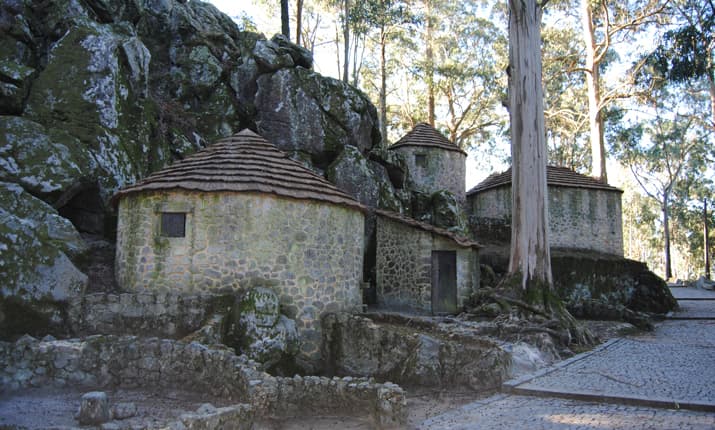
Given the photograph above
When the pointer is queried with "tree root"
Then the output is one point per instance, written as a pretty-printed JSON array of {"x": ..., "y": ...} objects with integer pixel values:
[{"x": 547, "y": 314}]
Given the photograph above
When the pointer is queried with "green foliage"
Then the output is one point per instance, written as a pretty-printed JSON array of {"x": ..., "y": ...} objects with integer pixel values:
[
  {"x": 565, "y": 102},
  {"x": 685, "y": 52}
]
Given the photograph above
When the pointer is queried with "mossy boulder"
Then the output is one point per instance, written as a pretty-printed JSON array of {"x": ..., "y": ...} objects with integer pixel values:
[
  {"x": 299, "y": 110},
  {"x": 34, "y": 246},
  {"x": 256, "y": 327},
  {"x": 440, "y": 209},
  {"x": 46, "y": 162},
  {"x": 100, "y": 93},
  {"x": 583, "y": 277},
  {"x": 363, "y": 179}
]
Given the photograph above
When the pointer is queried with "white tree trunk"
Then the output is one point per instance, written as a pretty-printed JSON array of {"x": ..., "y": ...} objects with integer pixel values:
[{"x": 530, "y": 254}]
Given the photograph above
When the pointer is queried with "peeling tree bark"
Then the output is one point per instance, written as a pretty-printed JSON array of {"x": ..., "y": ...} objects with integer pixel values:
[{"x": 530, "y": 255}]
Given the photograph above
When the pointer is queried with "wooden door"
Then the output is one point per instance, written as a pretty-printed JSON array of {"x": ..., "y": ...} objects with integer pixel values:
[{"x": 444, "y": 282}]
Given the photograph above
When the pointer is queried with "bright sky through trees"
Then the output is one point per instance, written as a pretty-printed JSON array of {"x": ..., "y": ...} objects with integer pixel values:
[{"x": 467, "y": 68}]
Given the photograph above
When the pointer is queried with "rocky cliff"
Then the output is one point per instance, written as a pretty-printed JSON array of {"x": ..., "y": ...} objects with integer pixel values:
[{"x": 95, "y": 94}]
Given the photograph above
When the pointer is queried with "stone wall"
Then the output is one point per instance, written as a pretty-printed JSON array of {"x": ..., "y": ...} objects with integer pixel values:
[
  {"x": 131, "y": 362},
  {"x": 166, "y": 315},
  {"x": 404, "y": 265},
  {"x": 444, "y": 170},
  {"x": 579, "y": 218},
  {"x": 310, "y": 253}
]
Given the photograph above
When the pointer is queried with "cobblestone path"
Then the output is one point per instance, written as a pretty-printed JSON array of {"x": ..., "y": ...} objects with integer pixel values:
[{"x": 660, "y": 380}]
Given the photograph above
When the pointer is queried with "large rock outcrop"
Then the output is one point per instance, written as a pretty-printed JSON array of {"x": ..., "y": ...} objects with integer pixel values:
[{"x": 96, "y": 94}]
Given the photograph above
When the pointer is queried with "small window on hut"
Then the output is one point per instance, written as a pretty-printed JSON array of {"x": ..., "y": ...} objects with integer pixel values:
[
  {"x": 421, "y": 160},
  {"x": 173, "y": 224}
]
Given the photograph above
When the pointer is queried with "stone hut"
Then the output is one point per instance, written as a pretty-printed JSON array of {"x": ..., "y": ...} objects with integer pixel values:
[
  {"x": 241, "y": 214},
  {"x": 422, "y": 267},
  {"x": 584, "y": 213},
  {"x": 433, "y": 161}
]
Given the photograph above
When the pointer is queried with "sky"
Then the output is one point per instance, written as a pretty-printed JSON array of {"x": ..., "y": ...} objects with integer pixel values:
[{"x": 324, "y": 63}]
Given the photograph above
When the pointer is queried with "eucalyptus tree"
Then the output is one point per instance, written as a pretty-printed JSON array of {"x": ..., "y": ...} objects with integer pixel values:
[
  {"x": 470, "y": 83},
  {"x": 285, "y": 19},
  {"x": 530, "y": 257},
  {"x": 686, "y": 53},
  {"x": 565, "y": 100},
  {"x": 664, "y": 154},
  {"x": 604, "y": 24}
]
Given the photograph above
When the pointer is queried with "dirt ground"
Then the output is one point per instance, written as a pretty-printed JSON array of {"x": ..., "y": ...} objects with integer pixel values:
[{"x": 55, "y": 408}]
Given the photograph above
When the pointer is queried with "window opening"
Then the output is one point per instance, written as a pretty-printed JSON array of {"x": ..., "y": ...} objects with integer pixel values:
[
  {"x": 173, "y": 224},
  {"x": 421, "y": 160}
]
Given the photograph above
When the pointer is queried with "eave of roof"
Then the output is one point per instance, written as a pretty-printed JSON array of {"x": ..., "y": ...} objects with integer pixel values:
[
  {"x": 460, "y": 240},
  {"x": 555, "y": 177},
  {"x": 423, "y": 135},
  {"x": 244, "y": 162}
]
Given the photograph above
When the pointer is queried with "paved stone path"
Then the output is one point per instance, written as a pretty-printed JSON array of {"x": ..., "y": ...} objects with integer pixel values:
[{"x": 660, "y": 380}]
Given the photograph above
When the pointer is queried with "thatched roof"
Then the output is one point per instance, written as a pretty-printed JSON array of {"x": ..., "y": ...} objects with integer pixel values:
[
  {"x": 460, "y": 240},
  {"x": 425, "y": 135},
  {"x": 555, "y": 177},
  {"x": 244, "y": 162}
]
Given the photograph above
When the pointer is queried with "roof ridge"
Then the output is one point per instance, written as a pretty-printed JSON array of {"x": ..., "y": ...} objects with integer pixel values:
[
  {"x": 243, "y": 162},
  {"x": 556, "y": 176},
  {"x": 424, "y": 134}
]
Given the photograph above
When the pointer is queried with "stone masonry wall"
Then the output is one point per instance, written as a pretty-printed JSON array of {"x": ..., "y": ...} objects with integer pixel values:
[
  {"x": 131, "y": 362},
  {"x": 444, "y": 170},
  {"x": 167, "y": 315},
  {"x": 404, "y": 266},
  {"x": 579, "y": 218},
  {"x": 310, "y": 253}
]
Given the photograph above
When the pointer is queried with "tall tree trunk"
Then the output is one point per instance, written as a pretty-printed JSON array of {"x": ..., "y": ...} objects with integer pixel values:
[
  {"x": 429, "y": 61},
  {"x": 711, "y": 90},
  {"x": 593, "y": 85},
  {"x": 706, "y": 239},
  {"x": 530, "y": 253},
  {"x": 285, "y": 19},
  {"x": 346, "y": 37},
  {"x": 298, "y": 21},
  {"x": 666, "y": 238},
  {"x": 383, "y": 85}
]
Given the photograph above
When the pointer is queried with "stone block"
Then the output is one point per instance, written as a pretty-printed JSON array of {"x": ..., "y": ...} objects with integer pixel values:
[{"x": 93, "y": 409}]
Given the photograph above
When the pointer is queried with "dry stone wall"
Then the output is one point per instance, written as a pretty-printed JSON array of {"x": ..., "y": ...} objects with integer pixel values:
[
  {"x": 98, "y": 362},
  {"x": 310, "y": 253},
  {"x": 579, "y": 218},
  {"x": 404, "y": 266},
  {"x": 167, "y": 315}
]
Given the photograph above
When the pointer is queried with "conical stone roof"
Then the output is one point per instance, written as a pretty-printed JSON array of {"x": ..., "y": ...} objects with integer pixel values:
[
  {"x": 425, "y": 135},
  {"x": 244, "y": 162},
  {"x": 555, "y": 177}
]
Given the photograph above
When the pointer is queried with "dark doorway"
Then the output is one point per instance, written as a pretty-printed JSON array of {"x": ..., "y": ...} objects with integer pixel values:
[
  {"x": 444, "y": 282},
  {"x": 85, "y": 209}
]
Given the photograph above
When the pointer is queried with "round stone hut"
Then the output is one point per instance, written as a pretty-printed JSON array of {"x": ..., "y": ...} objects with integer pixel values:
[
  {"x": 434, "y": 162},
  {"x": 241, "y": 214},
  {"x": 584, "y": 213}
]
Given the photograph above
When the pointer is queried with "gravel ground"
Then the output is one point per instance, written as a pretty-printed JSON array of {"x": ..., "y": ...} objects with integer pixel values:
[{"x": 55, "y": 408}]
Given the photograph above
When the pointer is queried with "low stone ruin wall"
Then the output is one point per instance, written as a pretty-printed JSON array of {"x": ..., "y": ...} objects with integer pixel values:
[
  {"x": 98, "y": 362},
  {"x": 356, "y": 345},
  {"x": 147, "y": 314}
]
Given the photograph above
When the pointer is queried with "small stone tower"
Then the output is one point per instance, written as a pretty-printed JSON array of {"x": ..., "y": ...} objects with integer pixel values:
[{"x": 434, "y": 162}]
